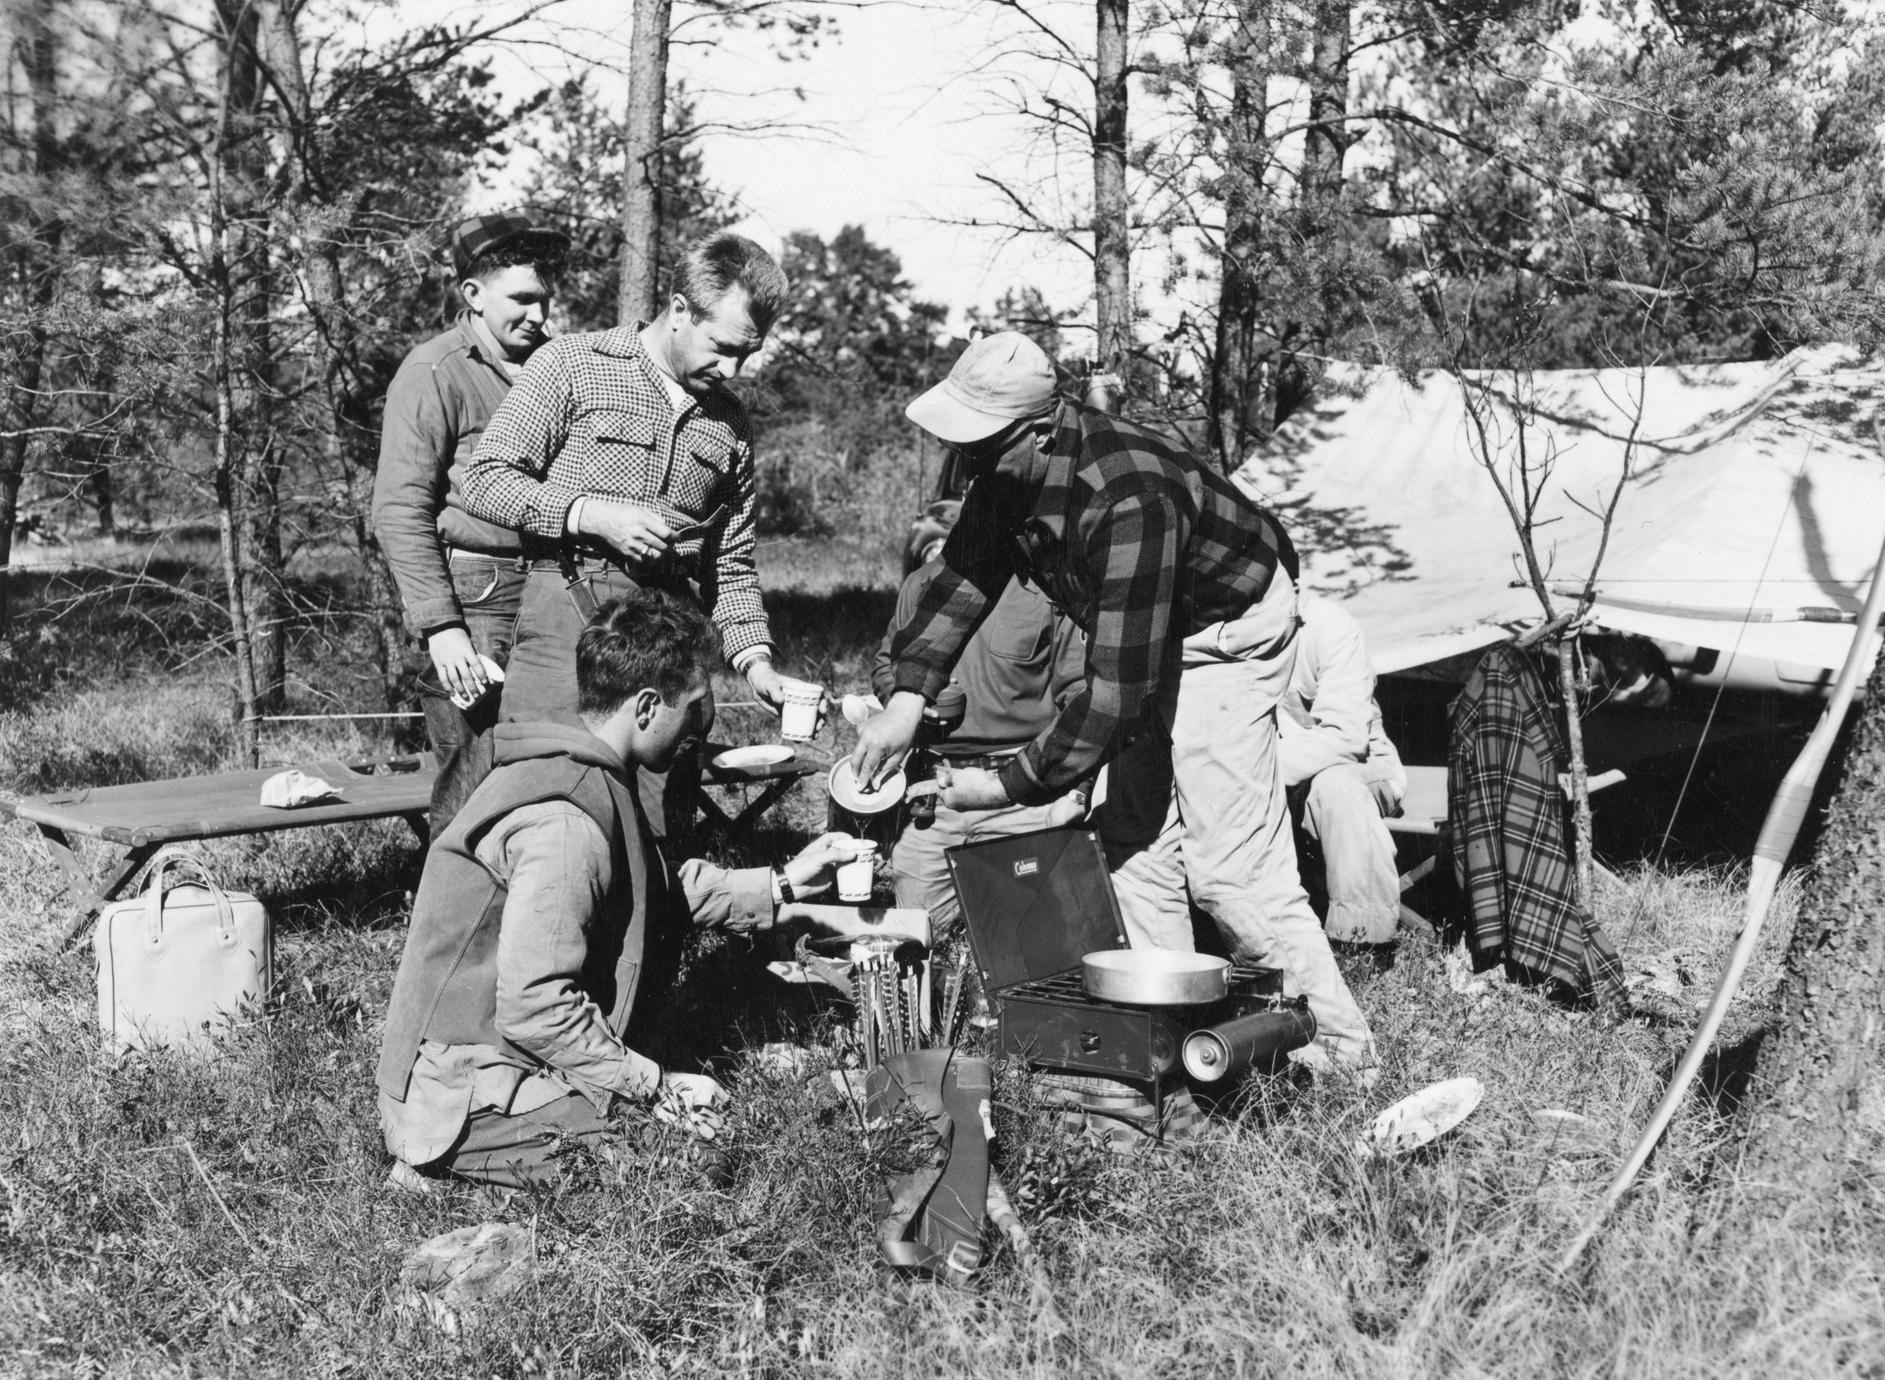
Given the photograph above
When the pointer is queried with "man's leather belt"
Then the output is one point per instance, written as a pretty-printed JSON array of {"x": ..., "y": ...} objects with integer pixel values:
[
  {"x": 581, "y": 562},
  {"x": 510, "y": 558},
  {"x": 988, "y": 761}
]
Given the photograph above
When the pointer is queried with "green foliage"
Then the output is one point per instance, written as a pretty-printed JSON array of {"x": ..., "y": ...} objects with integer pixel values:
[
  {"x": 850, "y": 320},
  {"x": 1659, "y": 201},
  {"x": 1023, "y": 309},
  {"x": 1703, "y": 185},
  {"x": 853, "y": 346},
  {"x": 576, "y": 180}
]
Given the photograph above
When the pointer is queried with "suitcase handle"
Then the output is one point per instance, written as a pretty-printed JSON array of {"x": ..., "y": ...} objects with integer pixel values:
[{"x": 181, "y": 860}]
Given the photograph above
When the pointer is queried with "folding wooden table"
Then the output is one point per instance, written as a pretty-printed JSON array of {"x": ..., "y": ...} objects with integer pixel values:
[
  {"x": 773, "y": 778},
  {"x": 144, "y": 816}
]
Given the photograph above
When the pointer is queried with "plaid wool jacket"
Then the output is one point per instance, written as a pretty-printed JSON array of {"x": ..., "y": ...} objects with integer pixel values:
[
  {"x": 1506, "y": 831},
  {"x": 588, "y": 417},
  {"x": 1139, "y": 542}
]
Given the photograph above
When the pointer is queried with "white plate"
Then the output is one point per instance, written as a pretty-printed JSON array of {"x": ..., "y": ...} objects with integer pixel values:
[
  {"x": 758, "y": 755},
  {"x": 1421, "y": 1117},
  {"x": 843, "y": 788}
]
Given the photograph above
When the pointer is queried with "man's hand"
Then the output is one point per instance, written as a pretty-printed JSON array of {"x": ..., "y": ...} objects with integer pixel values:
[
  {"x": 811, "y": 872},
  {"x": 692, "y": 1102},
  {"x": 971, "y": 788},
  {"x": 768, "y": 685},
  {"x": 635, "y": 533},
  {"x": 769, "y": 689},
  {"x": 1070, "y": 808},
  {"x": 456, "y": 662},
  {"x": 885, "y": 739}
]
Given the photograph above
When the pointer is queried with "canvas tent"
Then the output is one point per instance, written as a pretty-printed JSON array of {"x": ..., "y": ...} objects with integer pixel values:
[{"x": 1748, "y": 530}]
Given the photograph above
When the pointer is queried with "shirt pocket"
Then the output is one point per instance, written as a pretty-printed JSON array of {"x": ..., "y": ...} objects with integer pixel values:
[
  {"x": 702, "y": 467},
  {"x": 625, "y": 459},
  {"x": 1019, "y": 639}
]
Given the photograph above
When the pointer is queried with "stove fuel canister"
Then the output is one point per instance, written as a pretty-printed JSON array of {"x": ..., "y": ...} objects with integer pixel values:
[{"x": 1259, "y": 1039}]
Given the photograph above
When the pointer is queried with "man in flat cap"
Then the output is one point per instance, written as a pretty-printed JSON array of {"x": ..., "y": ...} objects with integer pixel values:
[
  {"x": 459, "y": 576},
  {"x": 1186, "y": 592}
]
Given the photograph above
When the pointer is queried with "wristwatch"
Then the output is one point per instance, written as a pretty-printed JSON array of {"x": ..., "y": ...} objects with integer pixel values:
[{"x": 782, "y": 892}]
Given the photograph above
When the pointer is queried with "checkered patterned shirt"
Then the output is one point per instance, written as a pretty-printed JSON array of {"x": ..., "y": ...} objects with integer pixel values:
[
  {"x": 1134, "y": 538},
  {"x": 589, "y": 417}
]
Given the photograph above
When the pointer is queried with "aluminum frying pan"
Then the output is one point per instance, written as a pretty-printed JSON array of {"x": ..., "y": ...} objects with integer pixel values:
[{"x": 1155, "y": 977}]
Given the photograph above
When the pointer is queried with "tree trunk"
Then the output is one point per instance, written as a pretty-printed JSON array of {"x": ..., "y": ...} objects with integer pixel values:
[
  {"x": 347, "y": 440},
  {"x": 103, "y": 488},
  {"x": 1583, "y": 863},
  {"x": 36, "y": 262},
  {"x": 245, "y": 496},
  {"x": 1802, "y": 1117},
  {"x": 227, "y": 474},
  {"x": 1327, "y": 139},
  {"x": 641, "y": 161},
  {"x": 254, "y": 460},
  {"x": 1112, "y": 236},
  {"x": 1238, "y": 359}
]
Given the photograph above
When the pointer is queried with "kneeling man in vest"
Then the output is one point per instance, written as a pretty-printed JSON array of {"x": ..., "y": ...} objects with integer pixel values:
[{"x": 541, "y": 906}]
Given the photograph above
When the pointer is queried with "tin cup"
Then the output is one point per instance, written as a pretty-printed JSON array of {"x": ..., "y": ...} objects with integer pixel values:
[
  {"x": 798, "y": 717},
  {"x": 856, "y": 877}
]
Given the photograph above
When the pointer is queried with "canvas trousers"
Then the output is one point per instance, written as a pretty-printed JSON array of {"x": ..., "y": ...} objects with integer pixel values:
[
  {"x": 1344, "y": 808},
  {"x": 488, "y": 589},
  {"x": 1227, "y": 834},
  {"x": 540, "y": 683},
  {"x": 530, "y": 1148}
]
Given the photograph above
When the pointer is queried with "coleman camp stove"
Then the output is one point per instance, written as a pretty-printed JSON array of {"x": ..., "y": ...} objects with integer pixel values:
[{"x": 1035, "y": 905}]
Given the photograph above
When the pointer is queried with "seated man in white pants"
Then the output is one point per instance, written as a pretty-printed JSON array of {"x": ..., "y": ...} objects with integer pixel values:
[{"x": 1342, "y": 772}]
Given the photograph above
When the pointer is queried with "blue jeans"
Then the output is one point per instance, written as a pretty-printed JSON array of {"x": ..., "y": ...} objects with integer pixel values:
[{"x": 488, "y": 589}]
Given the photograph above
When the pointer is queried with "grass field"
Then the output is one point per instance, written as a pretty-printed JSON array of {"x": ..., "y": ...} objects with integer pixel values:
[{"x": 178, "y": 1217}]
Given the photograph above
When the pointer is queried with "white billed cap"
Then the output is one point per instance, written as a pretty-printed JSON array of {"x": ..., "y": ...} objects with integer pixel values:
[{"x": 1000, "y": 379}]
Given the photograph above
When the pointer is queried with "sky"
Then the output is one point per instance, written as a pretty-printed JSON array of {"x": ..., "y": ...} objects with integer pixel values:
[{"x": 899, "y": 112}]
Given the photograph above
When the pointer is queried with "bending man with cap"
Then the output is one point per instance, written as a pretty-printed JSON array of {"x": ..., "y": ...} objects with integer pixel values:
[
  {"x": 459, "y": 576},
  {"x": 625, "y": 462},
  {"x": 1186, "y": 593}
]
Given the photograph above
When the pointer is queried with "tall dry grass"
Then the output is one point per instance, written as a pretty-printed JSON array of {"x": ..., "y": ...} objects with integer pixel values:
[{"x": 170, "y": 1216}]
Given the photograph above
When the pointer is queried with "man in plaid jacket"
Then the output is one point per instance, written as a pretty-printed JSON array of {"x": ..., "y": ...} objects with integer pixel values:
[
  {"x": 626, "y": 463},
  {"x": 1186, "y": 592}
]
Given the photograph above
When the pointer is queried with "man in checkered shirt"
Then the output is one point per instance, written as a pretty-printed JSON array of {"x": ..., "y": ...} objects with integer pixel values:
[
  {"x": 1186, "y": 592},
  {"x": 626, "y": 463}
]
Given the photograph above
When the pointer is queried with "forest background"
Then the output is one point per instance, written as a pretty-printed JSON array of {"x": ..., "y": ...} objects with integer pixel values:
[
  {"x": 221, "y": 233},
  {"x": 222, "y": 225}
]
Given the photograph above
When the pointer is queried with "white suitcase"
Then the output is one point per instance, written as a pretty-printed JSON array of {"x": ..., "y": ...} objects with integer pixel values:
[{"x": 180, "y": 960}]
